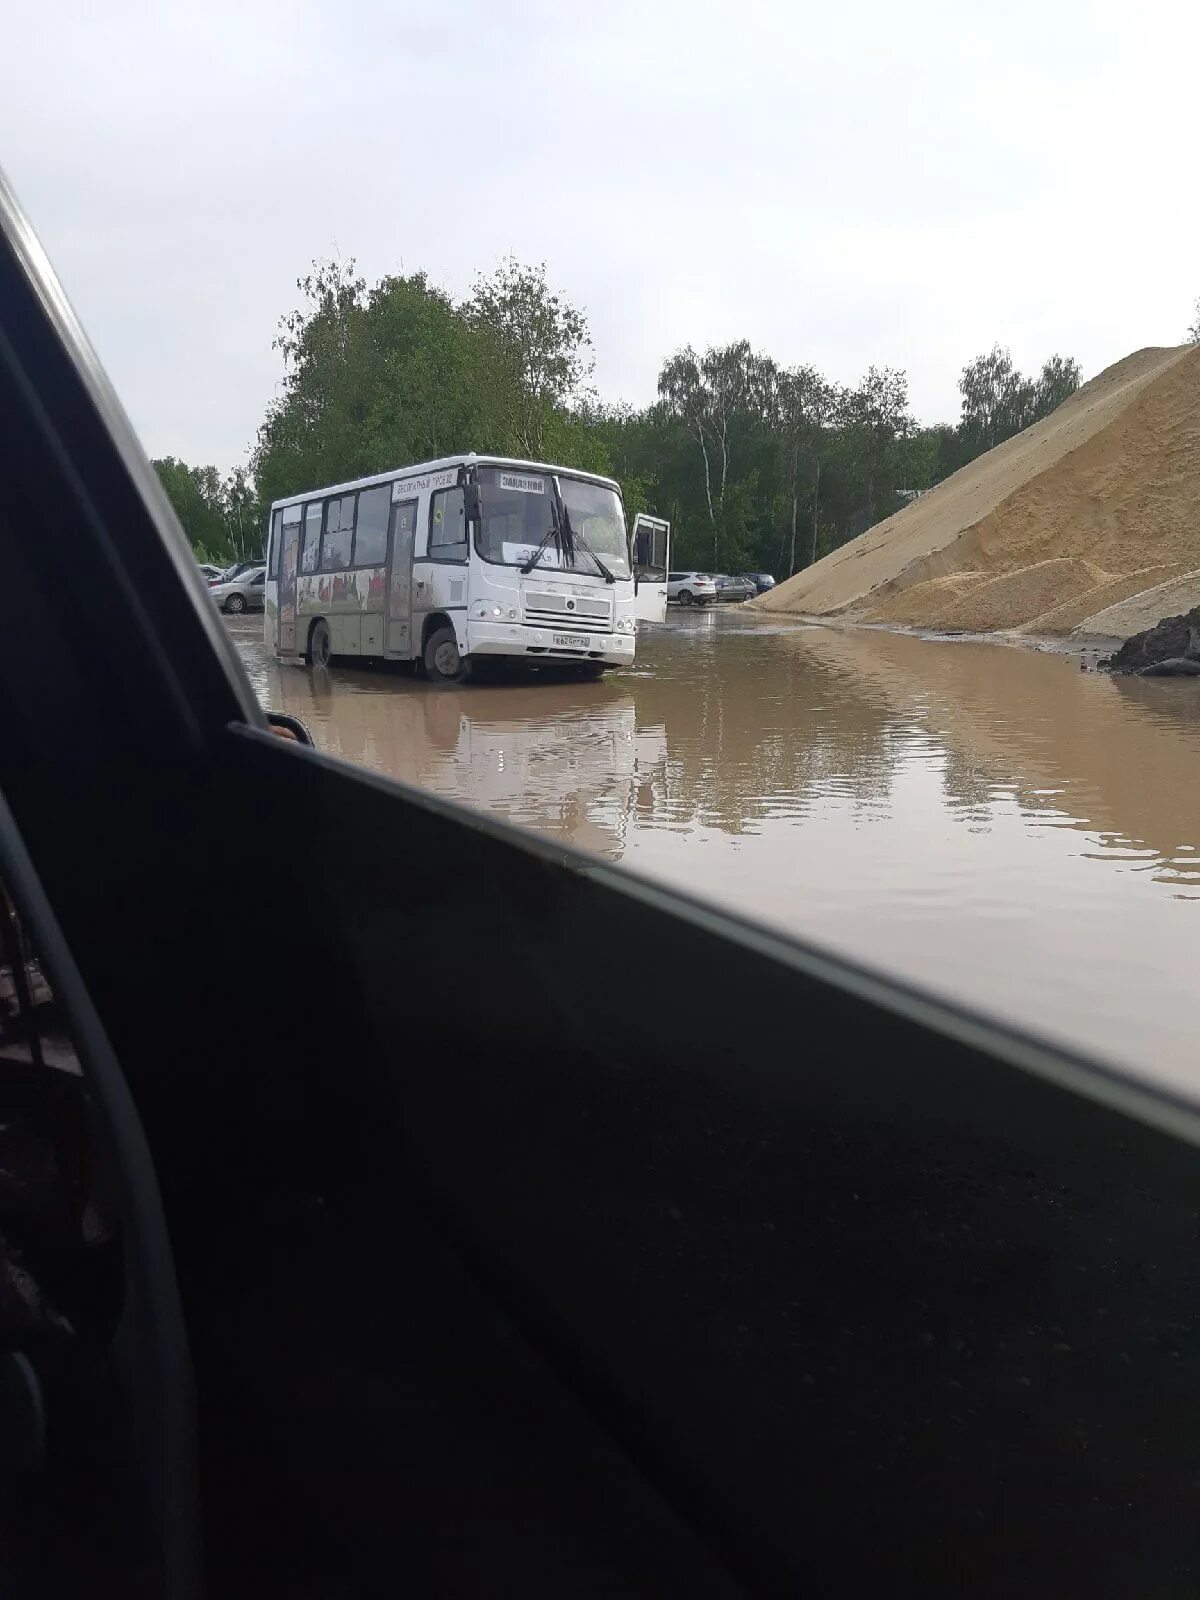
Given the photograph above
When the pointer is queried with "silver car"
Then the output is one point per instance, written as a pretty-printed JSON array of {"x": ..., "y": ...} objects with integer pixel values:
[
  {"x": 730, "y": 588},
  {"x": 246, "y": 592}
]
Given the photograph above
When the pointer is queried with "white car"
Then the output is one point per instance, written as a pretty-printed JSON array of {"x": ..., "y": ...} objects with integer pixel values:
[{"x": 691, "y": 588}]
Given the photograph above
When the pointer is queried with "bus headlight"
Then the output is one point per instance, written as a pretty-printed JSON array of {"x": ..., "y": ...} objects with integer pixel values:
[
  {"x": 626, "y": 625},
  {"x": 492, "y": 611}
]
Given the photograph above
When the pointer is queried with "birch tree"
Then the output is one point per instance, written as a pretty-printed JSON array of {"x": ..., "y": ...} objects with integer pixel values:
[{"x": 712, "y": 395}]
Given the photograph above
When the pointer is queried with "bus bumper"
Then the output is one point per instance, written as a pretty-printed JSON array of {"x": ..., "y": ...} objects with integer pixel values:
[{"x": 539, "y": 644}]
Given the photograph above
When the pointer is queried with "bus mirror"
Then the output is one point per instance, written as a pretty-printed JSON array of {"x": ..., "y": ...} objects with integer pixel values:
[{"x": 471, "y": 502}]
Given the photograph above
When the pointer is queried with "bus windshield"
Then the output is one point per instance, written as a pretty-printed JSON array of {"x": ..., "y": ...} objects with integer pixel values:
[{"x": 517, "y": 512}]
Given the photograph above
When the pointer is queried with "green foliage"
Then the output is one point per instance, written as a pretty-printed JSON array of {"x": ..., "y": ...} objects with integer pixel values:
[
  {"x": 757, "y": 466},
  {"x": 224, "y": 520},
  {"x": 398, "y": 373},
  {"x": 541, "y": 349},
  {"x": 998, "y": 402}
]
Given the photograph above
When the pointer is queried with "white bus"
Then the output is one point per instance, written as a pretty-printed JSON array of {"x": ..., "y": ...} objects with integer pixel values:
[{"x": 467, "y": 557}]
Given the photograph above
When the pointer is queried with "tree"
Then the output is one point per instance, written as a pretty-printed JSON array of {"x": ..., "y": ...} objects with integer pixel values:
[
  {"x": 1193, "y": 333},
  {"x": 195, "y": 496},
  {"x": 1057, "y": 382},
  {"x": 223, "y": 520},
  {"x": 243, "y": 513},
  {"x": 805, "y": 404},
  {"x": 712, "y": 395},
  {"x": 737, "y": 384},
  {"x": 998, "y": 402},
  {"x": 878, "y": 411},
  {"x": 378, "y": 378},
  {"x": 995, "y": 399},
  {"x": 544, "y": 340},
  {"x": 684, "y": 395}
]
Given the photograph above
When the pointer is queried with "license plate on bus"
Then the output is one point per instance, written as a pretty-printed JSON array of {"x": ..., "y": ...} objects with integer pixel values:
[{"x": 573, "y": 641}]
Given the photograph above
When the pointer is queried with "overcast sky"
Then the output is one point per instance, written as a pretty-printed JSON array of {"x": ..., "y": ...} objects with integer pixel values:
[{"x": 841, "y": 183}]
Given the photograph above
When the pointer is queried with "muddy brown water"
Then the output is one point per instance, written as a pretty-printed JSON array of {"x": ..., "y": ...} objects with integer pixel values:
[{"x": 989, "y": 823}]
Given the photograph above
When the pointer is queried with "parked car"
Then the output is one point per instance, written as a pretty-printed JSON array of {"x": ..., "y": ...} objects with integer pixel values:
[
  {"x": 210, "y": 573},
  {"x": 739, "y": 589},
  {"x": 243, "y": 593},
  {"x": 239, "y": 569},
  {"x": 691, "y": 588},
  {"x": 762, "y": 581}
]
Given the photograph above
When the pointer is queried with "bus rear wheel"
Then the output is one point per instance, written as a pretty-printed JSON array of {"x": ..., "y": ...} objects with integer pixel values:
[
  {"x": 318, "y": 645},
  {"x": 443, "y": 663}
]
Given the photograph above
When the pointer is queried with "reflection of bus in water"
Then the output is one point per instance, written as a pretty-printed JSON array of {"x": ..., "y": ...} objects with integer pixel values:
[
  {"x": 576, "y": 777},
  {"x": 461, "y": 558},
  {"x": 577, "y": 773}
]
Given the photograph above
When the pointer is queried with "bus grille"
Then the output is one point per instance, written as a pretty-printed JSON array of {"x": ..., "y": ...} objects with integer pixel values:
[{"x": 550, "y": 606}]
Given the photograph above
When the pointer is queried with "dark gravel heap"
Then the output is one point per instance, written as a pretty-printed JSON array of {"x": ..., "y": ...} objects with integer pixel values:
[{"x": 1170, "y": 649}]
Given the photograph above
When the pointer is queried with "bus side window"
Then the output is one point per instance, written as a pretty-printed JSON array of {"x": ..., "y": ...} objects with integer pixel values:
[
  {"x": 447, "y": 526},
  {"x": 310, "y": 557},
  {"x": 339, "y": 533},
  {"x": 273, "y": 550},
  {"x": 370, "y": 536}
]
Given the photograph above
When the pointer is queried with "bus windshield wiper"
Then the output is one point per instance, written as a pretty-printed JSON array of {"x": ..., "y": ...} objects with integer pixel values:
[
  {"x": 571, "y": 538},
  {"x": 580, "y": 540},
  {"x": 552, "y": 532},
  {"x": 560, "y": 529}
]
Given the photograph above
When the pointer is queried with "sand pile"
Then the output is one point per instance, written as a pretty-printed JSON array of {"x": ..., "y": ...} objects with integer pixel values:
[{"x": 1075, "y": 527}]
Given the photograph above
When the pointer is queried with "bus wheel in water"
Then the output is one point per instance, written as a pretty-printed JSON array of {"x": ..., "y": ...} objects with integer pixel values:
[
  {"x": 592, "y": 671},
  {"x": 318, "y": 645},
  {"x": 443, "y": 664}
]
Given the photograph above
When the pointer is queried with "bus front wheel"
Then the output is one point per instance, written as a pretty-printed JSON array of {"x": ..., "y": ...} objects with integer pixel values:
[
  {"x": 443, "y": 663},
  {"x": 318, "y": 645}
]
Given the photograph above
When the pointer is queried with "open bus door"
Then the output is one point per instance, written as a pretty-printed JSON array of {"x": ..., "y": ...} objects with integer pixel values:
[{"x": 651, "y": 551}]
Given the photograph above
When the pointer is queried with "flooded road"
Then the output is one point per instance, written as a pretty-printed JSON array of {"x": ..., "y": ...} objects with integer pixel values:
[{"x": 990, "y": 823}]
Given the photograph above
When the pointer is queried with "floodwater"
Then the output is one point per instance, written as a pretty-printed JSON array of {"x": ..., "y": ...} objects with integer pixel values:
[{"x": 993, "y": 824}]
